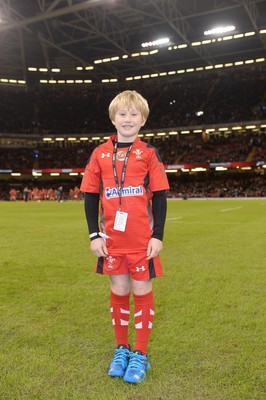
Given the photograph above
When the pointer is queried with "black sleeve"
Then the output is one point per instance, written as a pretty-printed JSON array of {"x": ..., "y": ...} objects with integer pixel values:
[
  {"x": 92, "y": 212},
  {"x": 159, "y": 206}
]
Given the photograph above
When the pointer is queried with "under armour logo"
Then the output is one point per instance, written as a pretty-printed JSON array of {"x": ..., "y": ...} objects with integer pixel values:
[
  {"x": 105, "y": 155},
  {"x": 142, "y": 268}
]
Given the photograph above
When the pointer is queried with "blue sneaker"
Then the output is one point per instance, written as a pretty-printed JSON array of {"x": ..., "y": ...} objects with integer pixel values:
[
  {"x": 137, "y": 367},
  {"x": 120, "y": 361}
]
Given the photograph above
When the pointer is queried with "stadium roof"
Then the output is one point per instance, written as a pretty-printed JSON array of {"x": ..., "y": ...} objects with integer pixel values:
[{"x": 107, "y": 35}]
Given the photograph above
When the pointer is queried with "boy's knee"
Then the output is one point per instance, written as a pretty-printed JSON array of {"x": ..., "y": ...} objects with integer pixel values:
[
  {"x": 141, "y": 288},
  {"x": 120, "y": 285}
]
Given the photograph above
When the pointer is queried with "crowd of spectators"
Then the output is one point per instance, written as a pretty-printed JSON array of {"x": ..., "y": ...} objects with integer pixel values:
[
  {"x": 188, "y": 149},
  {"x": 221, "y": 186},
  {"x": 218, "y": 148},
  {"x": 228, "y": 96},
  {"x": 42, "y": 156}
]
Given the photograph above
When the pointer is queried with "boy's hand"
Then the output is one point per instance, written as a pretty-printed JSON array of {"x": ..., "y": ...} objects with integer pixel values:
[
  {"x": 154, "y": 248},
  {"x": 98, "y": 247}
]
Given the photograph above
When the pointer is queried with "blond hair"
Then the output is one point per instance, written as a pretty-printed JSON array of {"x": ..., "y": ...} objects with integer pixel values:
[{"x": 128, "y": 98}]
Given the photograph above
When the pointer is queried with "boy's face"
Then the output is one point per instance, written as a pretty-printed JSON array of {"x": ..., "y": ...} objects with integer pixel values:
[{"x": 128, "y": 121}]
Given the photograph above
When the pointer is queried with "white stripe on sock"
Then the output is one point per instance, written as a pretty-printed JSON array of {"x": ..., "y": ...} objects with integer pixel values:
[
  {"x": 138, "y": 314},
  {"x": 124, "y": 311}
]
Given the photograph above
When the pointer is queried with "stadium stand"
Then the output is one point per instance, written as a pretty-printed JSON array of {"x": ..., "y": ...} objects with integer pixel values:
[
  {"x": 223, "y": 97},
  {"x": 188, "y": 149},
  {"x": 237, "y": 97}
]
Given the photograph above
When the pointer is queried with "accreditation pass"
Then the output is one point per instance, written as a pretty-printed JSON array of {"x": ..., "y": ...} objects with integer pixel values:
[{"x": 120, "y": 221}]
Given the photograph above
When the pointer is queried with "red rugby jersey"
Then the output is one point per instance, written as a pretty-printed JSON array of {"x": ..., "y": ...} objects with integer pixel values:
[{"x": 145, "y": 174}]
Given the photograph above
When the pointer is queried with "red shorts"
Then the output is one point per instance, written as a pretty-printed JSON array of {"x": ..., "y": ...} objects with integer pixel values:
[{"x": 134, "y": 264}]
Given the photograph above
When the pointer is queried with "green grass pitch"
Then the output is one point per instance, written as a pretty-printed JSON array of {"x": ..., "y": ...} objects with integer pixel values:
[{"x": 209, "y": 335}]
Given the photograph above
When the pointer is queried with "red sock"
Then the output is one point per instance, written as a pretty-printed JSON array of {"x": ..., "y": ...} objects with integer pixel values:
[
  {"x": 120, "y": 310},
  {"x": 143, "y": 315}
]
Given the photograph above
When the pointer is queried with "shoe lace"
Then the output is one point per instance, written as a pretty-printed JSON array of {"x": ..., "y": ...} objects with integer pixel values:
[
  {"x": 136, "y": 361},
  {"x": 121, "y": 356}
]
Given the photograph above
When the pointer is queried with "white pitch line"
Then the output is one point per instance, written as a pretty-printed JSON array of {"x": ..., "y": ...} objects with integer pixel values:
[
  {"x": 173, "y": 219},
  {"x": 230, "y": 209}
]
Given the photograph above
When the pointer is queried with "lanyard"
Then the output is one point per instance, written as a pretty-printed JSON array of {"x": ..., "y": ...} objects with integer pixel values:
[{"x": 123, "y": 175}]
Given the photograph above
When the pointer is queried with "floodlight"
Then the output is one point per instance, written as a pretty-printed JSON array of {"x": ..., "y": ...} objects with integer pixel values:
[
  {"x": 199, "y": 113},
  {"x": 221, "y": 169},
  {"x": 157, "y": 42},
  {"x": 219, "y": 29}
]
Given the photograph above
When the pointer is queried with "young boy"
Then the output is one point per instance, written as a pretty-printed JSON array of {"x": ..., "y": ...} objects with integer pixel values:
[{"x": 129, "y": 179}]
